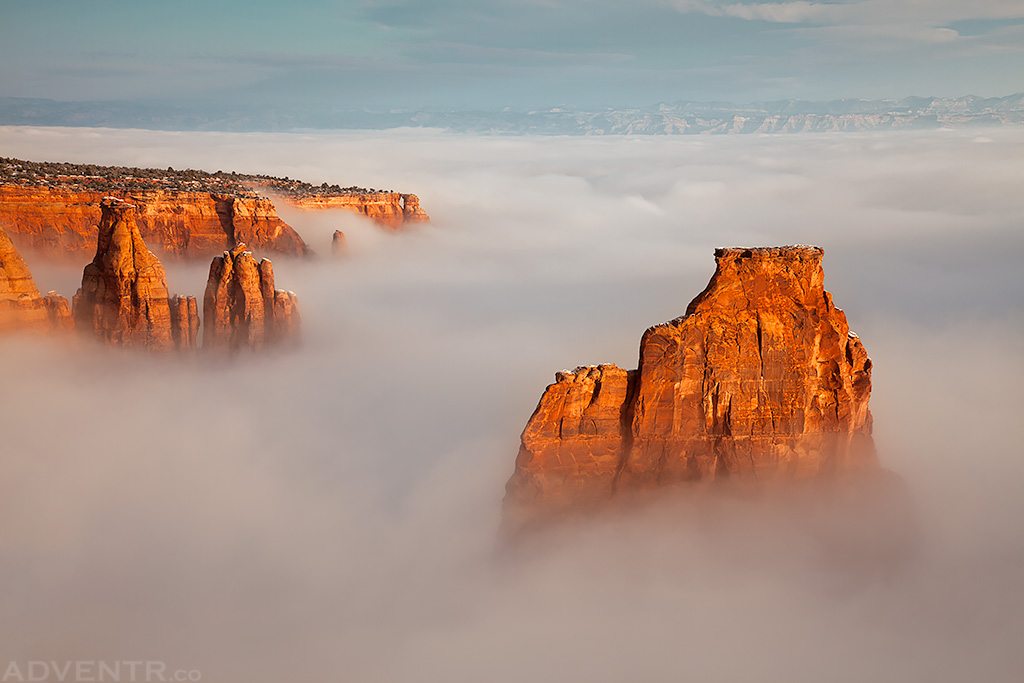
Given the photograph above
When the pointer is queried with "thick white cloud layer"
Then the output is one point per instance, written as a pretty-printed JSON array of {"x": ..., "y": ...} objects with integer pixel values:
[{"x": 331, "y": 514}]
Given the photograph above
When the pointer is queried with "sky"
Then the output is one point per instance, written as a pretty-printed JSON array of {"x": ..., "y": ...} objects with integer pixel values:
[
  {"x": 516, "y": 53},
  {"x": 332, "y": 514}
]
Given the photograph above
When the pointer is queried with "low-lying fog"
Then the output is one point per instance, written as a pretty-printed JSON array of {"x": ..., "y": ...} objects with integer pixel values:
[{"x": 331, "y": 514}]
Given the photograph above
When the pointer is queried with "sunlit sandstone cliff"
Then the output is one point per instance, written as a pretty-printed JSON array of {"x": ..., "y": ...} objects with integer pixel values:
[
  {"x": 22, "y": 307},
  {"x": 58, "y": 221},
  {"x": 390, "y": 209},
  {"x": 760, "y": 381},
  {"x": 124, "y": 300},
  {"x": 241, "y": 307}
]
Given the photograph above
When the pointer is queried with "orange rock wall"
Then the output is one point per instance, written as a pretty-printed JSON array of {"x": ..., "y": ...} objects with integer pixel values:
[
  {"x": 183, "y": 225},
  {"x": 390, "y": 209},
  {"x": 573, "y": 446}
]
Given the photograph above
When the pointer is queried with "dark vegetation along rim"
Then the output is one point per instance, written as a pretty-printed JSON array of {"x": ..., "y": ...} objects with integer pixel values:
[{"x": 95, "y": 178}]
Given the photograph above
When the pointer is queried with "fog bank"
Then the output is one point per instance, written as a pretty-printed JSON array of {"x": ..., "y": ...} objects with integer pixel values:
[{"x": 332, "y": 514}]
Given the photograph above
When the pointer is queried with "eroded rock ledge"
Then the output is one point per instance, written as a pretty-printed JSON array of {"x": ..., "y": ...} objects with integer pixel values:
[
  {"x": 389, "y": 209},
  {"x": 760, "y": 381},
  {"x": 62, "y": 223}
]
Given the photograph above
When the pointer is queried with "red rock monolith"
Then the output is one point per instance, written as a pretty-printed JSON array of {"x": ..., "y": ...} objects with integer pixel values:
[{"x": 760, "y": 381}]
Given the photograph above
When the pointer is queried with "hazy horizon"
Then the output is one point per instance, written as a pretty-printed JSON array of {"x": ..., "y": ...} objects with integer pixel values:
[{"x": 790, "y": 116}]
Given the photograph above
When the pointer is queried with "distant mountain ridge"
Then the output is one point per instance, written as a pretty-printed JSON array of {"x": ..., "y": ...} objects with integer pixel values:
[{"x": 678, "y": 118}]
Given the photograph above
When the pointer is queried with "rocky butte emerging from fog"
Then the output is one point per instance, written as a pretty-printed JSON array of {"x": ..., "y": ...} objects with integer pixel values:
[
  {"x": 338, "y": 244},
  {"x": 760, "y": 382}
]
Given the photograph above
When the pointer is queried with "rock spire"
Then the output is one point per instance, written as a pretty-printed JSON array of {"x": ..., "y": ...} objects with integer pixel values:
[
  {"x": 123, "y": 299},
  {"x": 241, "y": 307}
]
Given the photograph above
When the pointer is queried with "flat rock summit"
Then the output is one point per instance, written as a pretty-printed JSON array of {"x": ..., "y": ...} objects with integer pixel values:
[{"x": 761, "y": 381}]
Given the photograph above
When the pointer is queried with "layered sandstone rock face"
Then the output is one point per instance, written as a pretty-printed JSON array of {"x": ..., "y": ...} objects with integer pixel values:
[
  {"x": 184, "y": 322},
  {"x": 390, "y": 209},
  {"x": 185, "y": 225},
  {"x": 200, "y": 224},
  {"x": 761, "y": 381},
  {"x": 241, "y": 307},
  {"x": 123, "y": 299},
  {"x": 21, "y": 305}
]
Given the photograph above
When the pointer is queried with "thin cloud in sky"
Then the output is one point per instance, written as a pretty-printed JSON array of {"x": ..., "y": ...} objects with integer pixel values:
[
  {"x": 857, "y": 12},
  {"x": 902, "y": 20},
  {"x": 780, "y": 12}
]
